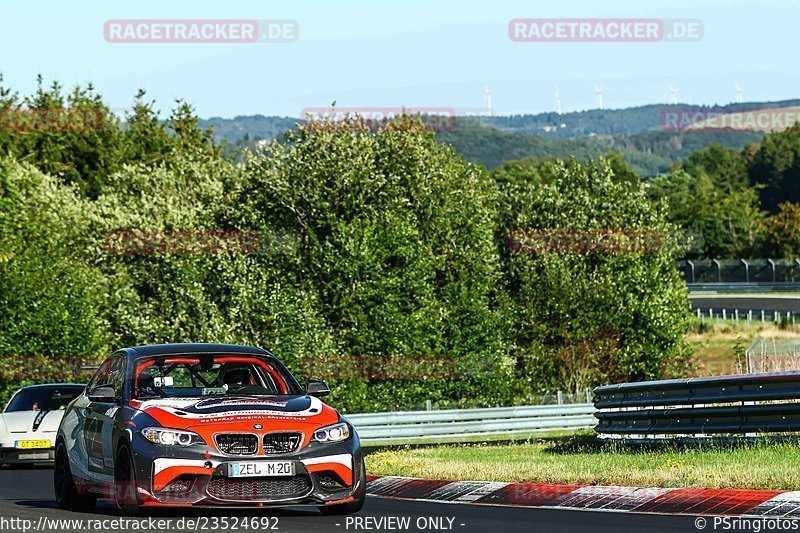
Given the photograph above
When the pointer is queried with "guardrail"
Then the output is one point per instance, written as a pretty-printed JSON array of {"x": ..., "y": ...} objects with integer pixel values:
[
  {"x": 743, "y": 288},
  {"x": 701, "y": 406},
  {"x": 459, "y": 425}
]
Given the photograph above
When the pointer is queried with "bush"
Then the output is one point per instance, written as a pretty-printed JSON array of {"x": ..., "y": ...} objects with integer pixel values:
[{"x": 585, "y": 316}]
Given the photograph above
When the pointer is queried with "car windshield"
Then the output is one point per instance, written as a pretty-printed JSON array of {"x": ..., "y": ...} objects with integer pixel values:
[
  {"x": 43, "y": 398},
  {"x": 210, "y": 375}
]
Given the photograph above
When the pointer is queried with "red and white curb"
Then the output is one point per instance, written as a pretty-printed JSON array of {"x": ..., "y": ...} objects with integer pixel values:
[{"x": 728, "y": 502}]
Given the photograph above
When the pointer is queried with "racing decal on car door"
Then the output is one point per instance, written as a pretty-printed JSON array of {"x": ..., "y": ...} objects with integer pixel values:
[{"x": 38, "y": 420}]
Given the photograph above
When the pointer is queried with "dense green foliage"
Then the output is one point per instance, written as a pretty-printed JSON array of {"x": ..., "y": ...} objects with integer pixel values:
[
  {"x": 370, "y": 244},
  {"x": 591, "y": 317},
  {"x": 737, "y": 203},
  {"x": 381, "y": 248}
]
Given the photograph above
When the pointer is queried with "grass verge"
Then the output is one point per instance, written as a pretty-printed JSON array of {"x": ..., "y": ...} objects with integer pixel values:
[{"x": 583, "y": 460}]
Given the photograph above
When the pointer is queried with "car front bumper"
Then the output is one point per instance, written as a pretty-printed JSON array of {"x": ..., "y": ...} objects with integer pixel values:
[
  {"x": 198, "y": 476},
  {"x": 19, "y": 456}
]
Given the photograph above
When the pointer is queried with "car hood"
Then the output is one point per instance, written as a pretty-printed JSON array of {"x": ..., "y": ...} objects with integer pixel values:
[
  {"x": 32, "y": 421},
  {"x": 191, "y": 412}
]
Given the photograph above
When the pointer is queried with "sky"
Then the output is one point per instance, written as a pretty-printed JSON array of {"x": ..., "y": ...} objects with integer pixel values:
[{"x": 412, "y": 53}]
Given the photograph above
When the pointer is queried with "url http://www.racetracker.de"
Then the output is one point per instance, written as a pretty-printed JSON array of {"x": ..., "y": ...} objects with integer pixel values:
[
  {"x": 216, "y": 523},
  {"x": 201, "y": 523}
]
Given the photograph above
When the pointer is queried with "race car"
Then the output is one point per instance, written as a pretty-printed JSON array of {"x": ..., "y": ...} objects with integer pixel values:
[
  {"x": 205, "y": 425},
  {"x": 29, "y": 422}
]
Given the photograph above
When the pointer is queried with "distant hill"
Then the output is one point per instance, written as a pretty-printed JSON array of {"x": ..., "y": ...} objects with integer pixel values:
[
  {"x": 637, "y": 133},
  {"x": 648, "y": 153},
  {"x": 253, "y": 127},
  {"x": 628, "y": 121}
]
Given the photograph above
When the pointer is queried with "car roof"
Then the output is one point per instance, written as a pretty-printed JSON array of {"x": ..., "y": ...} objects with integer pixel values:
[
  {"x": 81, "y": 385},
  {"x": 192, "y": 348}
]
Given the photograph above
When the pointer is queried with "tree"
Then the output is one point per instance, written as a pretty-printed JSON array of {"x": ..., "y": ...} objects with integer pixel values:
[
  {"x": 589, "y": 316},
  {"x": 776, "y": 166},
  {"x": 782, "y": 231},
  {"x": 721, "y": 220},
  {"x": 396, "y": 240},
  {"x": 723, "y": 165},
  {"x": 51, "y": 299}
]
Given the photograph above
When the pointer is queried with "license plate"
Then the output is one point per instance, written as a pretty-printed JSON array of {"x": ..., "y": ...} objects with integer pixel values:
[
  {"x": 261, "y": 469},
  {"x": 32, "y": 444},
  {"x": 33, "y": 456}
]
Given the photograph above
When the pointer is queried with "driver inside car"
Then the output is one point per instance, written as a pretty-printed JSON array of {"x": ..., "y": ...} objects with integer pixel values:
[{"x": 237, "y": 379}]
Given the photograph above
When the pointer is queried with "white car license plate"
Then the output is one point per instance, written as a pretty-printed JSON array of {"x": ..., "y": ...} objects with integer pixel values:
[
  {"x": 33, "y": 456},
  {"x": 261, "y": 469}
]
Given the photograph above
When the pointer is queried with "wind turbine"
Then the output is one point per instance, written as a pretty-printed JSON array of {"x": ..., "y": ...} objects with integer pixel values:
[
  {"x": 739, "y": 93},
  {"x": 488, "y": 96},
  {"x": 599, "y": 94},
  {"x": 673, "y": 94},
  {"x": 558, "y": 102}
]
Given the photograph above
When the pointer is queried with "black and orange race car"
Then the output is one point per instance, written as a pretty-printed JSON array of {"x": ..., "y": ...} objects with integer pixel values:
[{"x": 205, "y": 425}]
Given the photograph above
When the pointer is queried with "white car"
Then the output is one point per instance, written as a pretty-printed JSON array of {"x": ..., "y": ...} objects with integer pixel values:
[{"x": 29, "y": 422}]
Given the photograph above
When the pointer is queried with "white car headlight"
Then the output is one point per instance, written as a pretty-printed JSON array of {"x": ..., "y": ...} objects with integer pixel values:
[
  {"x": 335, "y": 433},
  {"x": 172, "y": 437}
]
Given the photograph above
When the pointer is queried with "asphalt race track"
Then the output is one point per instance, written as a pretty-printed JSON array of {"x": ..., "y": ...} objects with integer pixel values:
[{"x": 27, "y": 494}]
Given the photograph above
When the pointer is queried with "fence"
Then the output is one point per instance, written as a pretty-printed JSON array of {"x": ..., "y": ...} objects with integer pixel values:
[
  {"x": 746, "y": 317},
  {"x": 773, "y": 355},
  {"x": 736, "y": 271},
  {"x": 750, "y": 404},
  {"x": 459, "y": 425}
]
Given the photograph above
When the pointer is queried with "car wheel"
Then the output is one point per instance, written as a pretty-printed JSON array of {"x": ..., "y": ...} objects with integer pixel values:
[
  {"x": 359, "y": 497},
  {"x": 67, "y": 496},
  {"x": 125, "y": 493}
]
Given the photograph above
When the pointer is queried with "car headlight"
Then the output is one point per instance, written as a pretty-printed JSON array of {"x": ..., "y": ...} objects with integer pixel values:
[
  {"x": 335, "y": 433},
  {"x": 172, "y": 437}
]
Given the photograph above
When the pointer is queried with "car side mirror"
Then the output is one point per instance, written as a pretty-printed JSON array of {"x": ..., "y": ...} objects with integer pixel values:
[
  {"x": 103, "y": 394},
  {"x": 315, "y": 387}
]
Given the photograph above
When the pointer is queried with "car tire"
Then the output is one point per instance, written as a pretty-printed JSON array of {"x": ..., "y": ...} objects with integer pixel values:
[
  {"x": 359, "y": 496},
  {"x": 67, "y": 495},
  {"x": 126, "y": 496}
]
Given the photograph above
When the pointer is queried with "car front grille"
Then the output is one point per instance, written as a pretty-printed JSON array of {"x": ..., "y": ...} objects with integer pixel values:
[
  {"x": 258, "y": 489},
  {"x": 236, "y": 443},
  {"x": 276, "y": 443}
]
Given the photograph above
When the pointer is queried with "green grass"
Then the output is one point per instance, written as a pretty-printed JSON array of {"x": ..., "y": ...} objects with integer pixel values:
[{"x": 583, "y": 460}]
